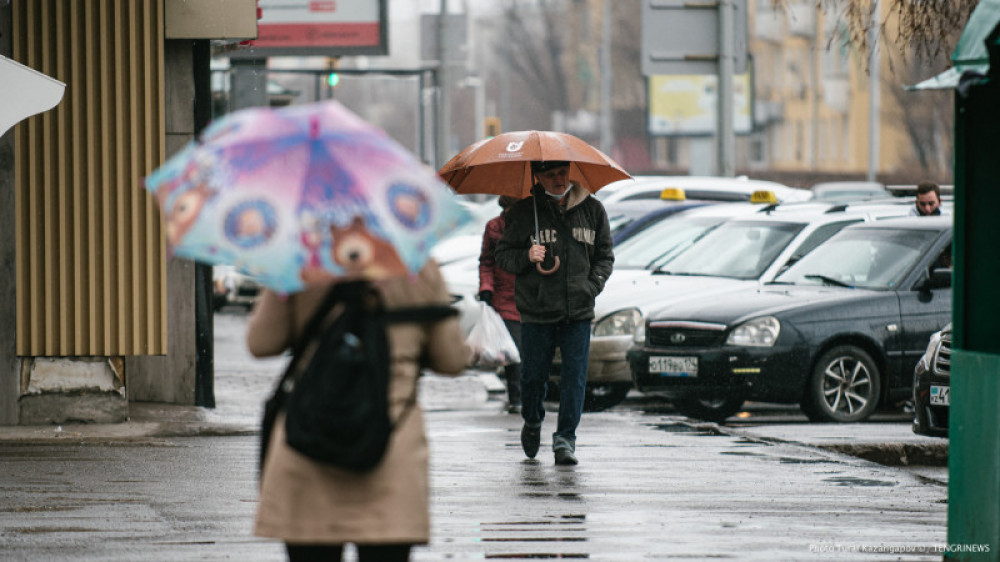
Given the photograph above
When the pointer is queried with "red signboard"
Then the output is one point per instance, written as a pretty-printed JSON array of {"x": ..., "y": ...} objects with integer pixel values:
[{"x": 319, "y": 27}]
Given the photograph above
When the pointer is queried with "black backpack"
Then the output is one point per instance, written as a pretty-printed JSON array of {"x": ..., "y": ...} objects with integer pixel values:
[{"x": 337, "y": 405}]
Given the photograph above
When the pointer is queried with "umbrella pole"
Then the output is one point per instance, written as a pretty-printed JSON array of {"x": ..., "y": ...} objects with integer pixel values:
[
  {"x": 534, "y": 205},
  {"x": 555, "y": 259}
]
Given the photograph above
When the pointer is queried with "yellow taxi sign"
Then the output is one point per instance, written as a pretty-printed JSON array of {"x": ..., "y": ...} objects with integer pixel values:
[
  {"x": 673, "y": 194},
  {"x": 763, "y": 196}
]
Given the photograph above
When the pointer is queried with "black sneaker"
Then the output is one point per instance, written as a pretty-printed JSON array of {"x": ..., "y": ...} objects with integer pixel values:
[
  {"x": 531, "y": 437},
  {"x": 565, "y": 457}
]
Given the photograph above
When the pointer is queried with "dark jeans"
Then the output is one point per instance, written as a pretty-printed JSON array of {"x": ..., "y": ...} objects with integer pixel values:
[
  {"x": 512, "y": 373},
  {"x": 539, "y": 342},
  {"x": 331, "y": 552}
]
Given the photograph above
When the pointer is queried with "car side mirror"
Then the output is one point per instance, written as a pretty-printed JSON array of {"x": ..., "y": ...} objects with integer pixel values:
[{"x": 937, "y": 278}]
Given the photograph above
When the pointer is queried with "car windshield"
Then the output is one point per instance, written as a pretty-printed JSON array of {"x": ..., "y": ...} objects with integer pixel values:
[
  {"x": 867, "y": 258},
  {"x": 742, "y": 250},
  {"x": 661, "y": 241},
  {"x": 618, "y": 222}
]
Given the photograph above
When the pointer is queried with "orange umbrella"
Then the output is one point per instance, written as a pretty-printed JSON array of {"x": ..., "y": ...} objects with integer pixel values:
[{"x": 502, "y": 165}]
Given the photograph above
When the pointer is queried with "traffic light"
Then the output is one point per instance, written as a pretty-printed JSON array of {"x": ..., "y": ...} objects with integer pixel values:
[
  {"x": 491, "y": 127},
  {"x": 333, "y": 79}
]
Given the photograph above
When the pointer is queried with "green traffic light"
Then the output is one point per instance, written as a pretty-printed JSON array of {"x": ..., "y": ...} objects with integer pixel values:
[{"x": 333, "y": 79}]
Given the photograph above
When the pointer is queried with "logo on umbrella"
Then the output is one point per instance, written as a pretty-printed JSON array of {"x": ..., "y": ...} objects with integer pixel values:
[
  {"x": 409, "y": 205},
  {"x": 514, "y": 146},
  {"x": 251, "y": 223}
]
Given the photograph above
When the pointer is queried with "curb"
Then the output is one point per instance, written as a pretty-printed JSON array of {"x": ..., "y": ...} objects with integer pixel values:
[{"x": 887, "y": 453}]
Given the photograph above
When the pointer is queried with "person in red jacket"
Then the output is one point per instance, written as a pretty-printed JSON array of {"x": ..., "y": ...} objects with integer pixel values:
[{"x": 496, "y": 289}]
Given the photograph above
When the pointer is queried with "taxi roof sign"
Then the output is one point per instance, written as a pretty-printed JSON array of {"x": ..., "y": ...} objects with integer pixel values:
[
  {"x": 673, "y": 194},
  {"x": 763, "y": 196}
]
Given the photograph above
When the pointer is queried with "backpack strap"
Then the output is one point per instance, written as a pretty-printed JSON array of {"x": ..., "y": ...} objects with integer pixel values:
[{"x": 310, "y": 332}]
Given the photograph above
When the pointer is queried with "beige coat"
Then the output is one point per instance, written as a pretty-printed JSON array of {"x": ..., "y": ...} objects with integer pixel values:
[{"x": 302, "y": 501}]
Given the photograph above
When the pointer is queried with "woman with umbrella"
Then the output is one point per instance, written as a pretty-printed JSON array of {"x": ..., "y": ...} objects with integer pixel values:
[{"x": 305, "y": 199}]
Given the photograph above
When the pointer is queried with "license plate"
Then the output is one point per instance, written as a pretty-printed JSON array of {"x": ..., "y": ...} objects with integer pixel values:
[
  {"x": 940, "y": 396},
  {"x": 674, "y": 366}
]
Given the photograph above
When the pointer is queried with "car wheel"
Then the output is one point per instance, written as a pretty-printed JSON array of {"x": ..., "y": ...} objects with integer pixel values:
[
  {"x": 714, "y": 407},
  {"x": 844, "y": 386},
  {"x": 603, "y": 396}
]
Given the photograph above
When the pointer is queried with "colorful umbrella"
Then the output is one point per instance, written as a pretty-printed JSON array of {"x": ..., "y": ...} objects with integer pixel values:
[
  {"x": 501, "y": 165},
  {"x": 302, "y": 194}
]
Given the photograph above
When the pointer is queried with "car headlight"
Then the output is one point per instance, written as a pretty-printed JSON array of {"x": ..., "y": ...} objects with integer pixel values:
[
  {"x": 759, "y": 332},
  {"x": 639, "y": 336},
  {"x": 620, "y": 323}
]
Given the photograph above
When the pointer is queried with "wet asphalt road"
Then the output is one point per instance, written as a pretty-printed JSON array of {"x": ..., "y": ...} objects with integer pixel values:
[{"x": 649, "y": 487}]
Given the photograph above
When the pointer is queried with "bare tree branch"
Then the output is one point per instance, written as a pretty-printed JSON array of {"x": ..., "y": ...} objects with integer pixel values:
[
  {"x": 536, "y": 54},
  {"x": 927, "y": 28}
]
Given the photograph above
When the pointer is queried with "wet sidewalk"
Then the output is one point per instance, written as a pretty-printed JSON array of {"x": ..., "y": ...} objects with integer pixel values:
[{"x": 179, "y": 483}]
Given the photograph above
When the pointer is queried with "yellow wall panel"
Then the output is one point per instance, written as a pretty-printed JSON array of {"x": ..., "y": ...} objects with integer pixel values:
[{"x": 91, "y": 275}]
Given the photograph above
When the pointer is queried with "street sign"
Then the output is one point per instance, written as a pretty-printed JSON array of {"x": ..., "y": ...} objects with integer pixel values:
[
  {"x": 687, "y": 105},
  {"x": 682, "y": 37}
]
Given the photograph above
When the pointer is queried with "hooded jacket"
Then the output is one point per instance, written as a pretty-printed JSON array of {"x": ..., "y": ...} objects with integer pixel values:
[
  {"x": 579, "y": 234},
  {"x": 493, "y": 278}
]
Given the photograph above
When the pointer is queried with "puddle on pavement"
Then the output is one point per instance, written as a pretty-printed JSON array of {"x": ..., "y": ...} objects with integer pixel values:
[
  {"x": 38, "y": 509},
  {"x": 566, "y": 526},
  {"x": 43, "y": 530},
  {"x": 536, "y": 539},
  {"x": 537, "y": 556},
  {"x": 687, "y": 429},
  {"x": 568, "y": 496},
  {"x": 793, "y": 460},
  {"x": 863, "y": 482},
  {"x": 741, "y": 454}
]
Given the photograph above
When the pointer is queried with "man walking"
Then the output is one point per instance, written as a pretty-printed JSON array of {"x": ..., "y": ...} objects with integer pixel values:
[{"x": 558, "y": 245}]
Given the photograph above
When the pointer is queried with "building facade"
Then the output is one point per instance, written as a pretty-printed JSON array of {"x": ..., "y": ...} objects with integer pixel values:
[{"x": 98, "y": 314}]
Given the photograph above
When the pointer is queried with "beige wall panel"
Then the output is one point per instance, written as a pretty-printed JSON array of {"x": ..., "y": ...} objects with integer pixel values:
[{"x": 91, "y": 275}]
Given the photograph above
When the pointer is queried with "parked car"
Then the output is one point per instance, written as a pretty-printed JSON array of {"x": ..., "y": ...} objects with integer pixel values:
[
  {"x": 932, "y": 386},
  {"x": 230, "y": 287},
  {"x": 467, "y": 240},
  {"x": 849, "y": 191},
  {"x": 605, "y": 388},
  {"x": 694, "y": 257},
  {"x": 628, "y": 217},
  {"x": 837, "y": 333},
  {"x": 705, "y": 188}
]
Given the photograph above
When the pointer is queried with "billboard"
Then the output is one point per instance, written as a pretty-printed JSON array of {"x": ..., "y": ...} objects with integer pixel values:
[
  {"x": 319, "y": 28},
  {"x": 685, "y": 104}
]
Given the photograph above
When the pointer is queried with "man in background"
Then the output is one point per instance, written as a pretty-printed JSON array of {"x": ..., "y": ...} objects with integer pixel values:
[{"x": 928, "y": 202}]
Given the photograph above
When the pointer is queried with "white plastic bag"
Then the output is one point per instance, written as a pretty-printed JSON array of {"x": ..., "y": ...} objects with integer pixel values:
[{"x": 490, "y": 341}]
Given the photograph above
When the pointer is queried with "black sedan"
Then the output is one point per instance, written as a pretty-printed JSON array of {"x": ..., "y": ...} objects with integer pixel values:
[
  {"x": 837, "y": 333},
  {"x": 932, "y": 386}
]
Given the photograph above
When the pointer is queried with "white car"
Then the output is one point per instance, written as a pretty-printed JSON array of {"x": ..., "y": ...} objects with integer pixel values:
[
  {"x": 467, "y": 240},
  {"x": 705, "y": 188},
  {"x": 651, "y": 271},
  {"x": 230, "y": 287},
  {"x": 462, "y": 277},
  {"x": 849, "y": 191}
]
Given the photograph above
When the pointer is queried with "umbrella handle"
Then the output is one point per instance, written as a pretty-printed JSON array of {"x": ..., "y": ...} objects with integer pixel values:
[{"x": 555, "y": 266}]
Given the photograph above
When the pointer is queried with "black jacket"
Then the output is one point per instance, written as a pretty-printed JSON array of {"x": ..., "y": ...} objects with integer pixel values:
[{"x": 585, "y": 258}]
